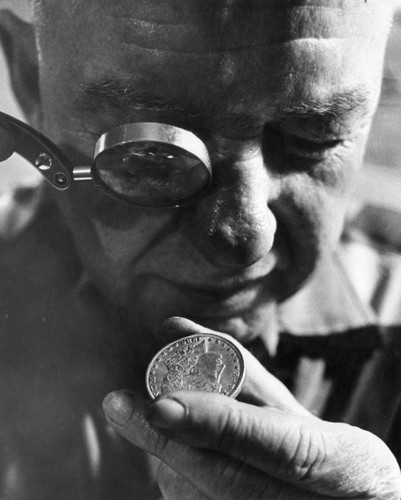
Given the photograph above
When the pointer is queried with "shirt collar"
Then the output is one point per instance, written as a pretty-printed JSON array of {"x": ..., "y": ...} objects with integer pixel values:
[
  {"x": 325, "y": 320},
  {"x": 327, "y": 305}
]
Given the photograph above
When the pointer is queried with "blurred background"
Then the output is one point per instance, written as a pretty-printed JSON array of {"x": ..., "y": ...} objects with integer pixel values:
[
  {"x": 13, "y": 171},
  {"x": 380, "y": 181}
]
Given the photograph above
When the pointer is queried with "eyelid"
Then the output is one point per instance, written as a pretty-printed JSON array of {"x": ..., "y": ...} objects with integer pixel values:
[
  {"x": 310, "y": 149},
  {"x": 327, "y": 142},
  {"x": 317, "y": 129}
]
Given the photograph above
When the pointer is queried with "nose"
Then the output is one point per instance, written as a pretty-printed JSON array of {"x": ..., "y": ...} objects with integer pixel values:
[{"x": 233, "y": 226}]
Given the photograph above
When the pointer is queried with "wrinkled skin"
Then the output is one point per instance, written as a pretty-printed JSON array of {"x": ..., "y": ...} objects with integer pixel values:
[
  {"x": 271, "y": 211},
  {"x": 209, "y": 446},
  {"x": 282, "y": 94}
]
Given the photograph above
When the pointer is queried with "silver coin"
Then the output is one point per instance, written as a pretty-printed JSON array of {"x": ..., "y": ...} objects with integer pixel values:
[{"x": 202, "y": 362}]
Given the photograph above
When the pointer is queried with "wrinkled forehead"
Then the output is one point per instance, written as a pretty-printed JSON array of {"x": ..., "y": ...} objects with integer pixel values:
[
  {"x": 216, "y": 53},
  {"x": 207, "y": 25}
]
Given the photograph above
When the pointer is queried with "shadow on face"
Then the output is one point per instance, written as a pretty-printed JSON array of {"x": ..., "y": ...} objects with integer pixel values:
[{"x": 282, "y": 97}]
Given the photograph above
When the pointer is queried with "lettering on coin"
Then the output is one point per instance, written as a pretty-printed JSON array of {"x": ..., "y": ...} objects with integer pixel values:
[{"x": 202, "y": 362}]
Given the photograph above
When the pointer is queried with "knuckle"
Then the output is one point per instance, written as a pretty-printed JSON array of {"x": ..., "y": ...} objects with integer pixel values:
[
  {"x": 306, "y": 454},
  {"x": 342, "y": 458},
  {"x": 380, "y": 474},
  {"x": 230, "y": 428},
  {"x": 157, "y": 444}
]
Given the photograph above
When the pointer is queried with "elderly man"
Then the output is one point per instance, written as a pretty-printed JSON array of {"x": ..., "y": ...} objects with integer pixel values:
[{"x": 271, "y": 103}]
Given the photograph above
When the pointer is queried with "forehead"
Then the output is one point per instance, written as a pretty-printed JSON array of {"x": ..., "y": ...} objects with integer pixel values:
[
  {"x": 213, "y": 53},
  {"x": 210, "y": 25}
]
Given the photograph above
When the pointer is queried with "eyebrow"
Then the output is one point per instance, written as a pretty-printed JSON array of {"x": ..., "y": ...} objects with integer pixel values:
[
  {"x": 337, "y": 104},
  {"x": 123, "y": 96}
]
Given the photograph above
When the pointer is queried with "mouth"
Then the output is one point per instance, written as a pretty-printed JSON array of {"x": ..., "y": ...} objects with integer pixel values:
[
  {"x": 212, "y": 296},
  {"x": 218, "y": 295},
  {"x": 229, "y": 298},
  {"x": 225, "y": 288}
]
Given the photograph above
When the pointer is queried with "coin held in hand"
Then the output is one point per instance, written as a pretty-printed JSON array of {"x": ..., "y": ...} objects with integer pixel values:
[{"x": 203, "y": 362}]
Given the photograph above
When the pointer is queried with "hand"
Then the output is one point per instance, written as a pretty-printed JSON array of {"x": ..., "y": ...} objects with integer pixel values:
[
  {"x": 213, "y": 447},
  {"x": 6, "y": 144}
]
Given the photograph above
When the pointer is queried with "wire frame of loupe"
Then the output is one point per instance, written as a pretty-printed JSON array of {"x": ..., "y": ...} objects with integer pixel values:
[
  {"x": 39, "y": 151},
  {"x": 150, "y": 165}
]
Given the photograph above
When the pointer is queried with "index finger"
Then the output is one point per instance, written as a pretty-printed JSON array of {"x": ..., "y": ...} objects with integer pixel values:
[
  {"x": 6, "y": 144},
  {"x": 328, "y": 458},
  {"x": 260, "y": 387},
  {"x": 212, "y": 474}
]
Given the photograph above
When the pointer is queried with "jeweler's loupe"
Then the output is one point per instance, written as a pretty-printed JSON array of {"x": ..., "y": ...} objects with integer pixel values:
[{"x": 151, "y": 165}]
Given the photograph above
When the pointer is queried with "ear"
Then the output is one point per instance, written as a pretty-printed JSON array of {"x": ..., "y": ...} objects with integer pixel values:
[{"x": 18, "y": 40}]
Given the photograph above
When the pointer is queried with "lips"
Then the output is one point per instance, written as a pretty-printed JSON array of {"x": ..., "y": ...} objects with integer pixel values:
[
  {"x": 216, "y": 294},
  {"x": 213, "y": 296},
  {"x": 232, "y": 297}
]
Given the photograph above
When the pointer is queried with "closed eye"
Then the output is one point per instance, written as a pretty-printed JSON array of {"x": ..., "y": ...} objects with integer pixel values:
[{"x": 315, "y": 150}]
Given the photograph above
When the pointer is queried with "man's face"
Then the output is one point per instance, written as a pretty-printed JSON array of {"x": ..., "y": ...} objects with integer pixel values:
[{"x": 282, "y": 94}]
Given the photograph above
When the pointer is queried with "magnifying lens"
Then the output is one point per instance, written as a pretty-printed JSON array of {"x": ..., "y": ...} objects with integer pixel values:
[{"x": 150, "y": 165}]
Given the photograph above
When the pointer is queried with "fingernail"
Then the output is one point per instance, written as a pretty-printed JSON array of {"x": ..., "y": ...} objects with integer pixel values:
[
  {"x": 166, "y": 413},
  {"x": 118, "y": 407}
]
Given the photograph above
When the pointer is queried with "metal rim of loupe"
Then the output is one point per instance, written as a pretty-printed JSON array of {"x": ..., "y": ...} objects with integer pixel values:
[
  {"x": 158, "y": 133},
  {"x": 233, "y": 344}
]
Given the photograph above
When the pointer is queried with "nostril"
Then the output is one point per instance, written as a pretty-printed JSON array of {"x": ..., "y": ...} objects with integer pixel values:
[{"x": 235, "y": 242}]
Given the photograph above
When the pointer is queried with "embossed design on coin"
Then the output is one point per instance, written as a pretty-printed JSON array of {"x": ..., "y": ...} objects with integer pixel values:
[{"x": 203, "y": 362}]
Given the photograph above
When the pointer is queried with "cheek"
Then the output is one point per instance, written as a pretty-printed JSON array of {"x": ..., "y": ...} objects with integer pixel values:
[
  {"x": 311, "y": 208},
  {"x": 333, "y": 183},
  {"x": 109, "y": 235}
]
